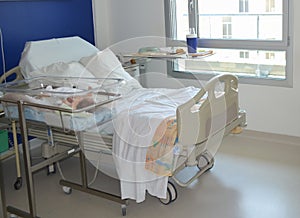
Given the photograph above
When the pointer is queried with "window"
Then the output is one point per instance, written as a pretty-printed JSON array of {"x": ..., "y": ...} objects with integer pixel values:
[
  {"x": 227, "y": 32},
  {"x": 270, "y": 5},
  {"x": 243, "y": 6},
  {"x": 244, "y": 54},
  {"x": 270, "y": 55},
  {"x": 250, "y": 38}
]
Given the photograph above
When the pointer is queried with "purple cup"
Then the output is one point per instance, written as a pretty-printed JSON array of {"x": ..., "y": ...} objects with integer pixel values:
[{"x": 191, "y": 41}]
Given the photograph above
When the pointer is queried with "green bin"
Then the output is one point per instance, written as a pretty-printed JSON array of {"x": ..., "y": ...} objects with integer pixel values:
[{"x": 3, "y": 140}]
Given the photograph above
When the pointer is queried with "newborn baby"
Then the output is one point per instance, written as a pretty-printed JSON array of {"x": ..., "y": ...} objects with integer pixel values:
[
  {"x": 75, "y": 101},
  {"x": 79, "y": 102}
]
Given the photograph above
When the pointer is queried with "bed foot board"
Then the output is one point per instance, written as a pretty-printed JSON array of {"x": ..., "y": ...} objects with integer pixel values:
[{"x": 203, "y": 158}]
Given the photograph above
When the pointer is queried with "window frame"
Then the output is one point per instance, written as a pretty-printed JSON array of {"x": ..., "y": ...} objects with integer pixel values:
[{"x": 286, "y": 44}]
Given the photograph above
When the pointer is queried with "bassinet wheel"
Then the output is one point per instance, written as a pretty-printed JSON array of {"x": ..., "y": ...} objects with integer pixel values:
[
  {"x": 67, "y": 190},
  {"x": 18, "y": 183},
  {"x": 171, "y": 194},
  {"x": 12, "y": 216},
  {"x": 123, "y": 207},
  {"x": 51, "y": 169}
]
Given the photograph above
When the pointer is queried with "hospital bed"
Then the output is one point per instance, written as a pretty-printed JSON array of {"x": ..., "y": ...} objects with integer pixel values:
[{"x": 198, "y": 117}]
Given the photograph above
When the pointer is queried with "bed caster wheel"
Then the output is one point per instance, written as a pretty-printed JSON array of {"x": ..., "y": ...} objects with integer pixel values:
[
  {"x": 67, "y": 190},
  {"x": 123, "y": 208},
  {"x": 18, "y": 183},
  {"x": 205, "y": 160},
  {"x": 171, "y": 194},
  {"x": 51, "y": 169}
]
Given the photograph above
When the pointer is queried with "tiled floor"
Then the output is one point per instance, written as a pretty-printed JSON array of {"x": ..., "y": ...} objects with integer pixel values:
[{"x": 252, "y": 178}]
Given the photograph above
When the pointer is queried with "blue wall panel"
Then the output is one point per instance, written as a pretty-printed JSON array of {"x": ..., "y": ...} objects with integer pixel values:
[{"x": 22, "y": 21}]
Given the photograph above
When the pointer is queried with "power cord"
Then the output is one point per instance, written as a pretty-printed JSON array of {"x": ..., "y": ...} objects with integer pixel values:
[
  {"x": 95, "y": 174},
  {"x": 2, "y": 52}
]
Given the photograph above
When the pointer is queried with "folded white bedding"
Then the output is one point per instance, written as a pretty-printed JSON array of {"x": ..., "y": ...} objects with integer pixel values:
[{"x": 105, "y": 64}]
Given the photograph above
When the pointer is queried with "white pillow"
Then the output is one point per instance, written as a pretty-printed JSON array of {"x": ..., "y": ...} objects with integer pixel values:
[
  {"x": 106, "y": 65},
  {"x": 72, "y": 69},
  {"x": 41, "y": 53}
]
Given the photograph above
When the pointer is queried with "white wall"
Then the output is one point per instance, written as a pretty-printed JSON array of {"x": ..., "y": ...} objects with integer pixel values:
[
  {"x": 118, "y": 20},
  {"x": 269, "y": 109}
]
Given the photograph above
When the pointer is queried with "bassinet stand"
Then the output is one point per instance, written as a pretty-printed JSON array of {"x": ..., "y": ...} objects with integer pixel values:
[{"x": 31, "y": 169}]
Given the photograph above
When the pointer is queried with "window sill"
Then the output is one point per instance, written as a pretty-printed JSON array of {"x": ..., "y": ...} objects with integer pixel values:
[{"x": 243, "y": 79}]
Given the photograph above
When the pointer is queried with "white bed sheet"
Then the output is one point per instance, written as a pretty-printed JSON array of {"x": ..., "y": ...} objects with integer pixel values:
[{"x": 138, "y": 117}]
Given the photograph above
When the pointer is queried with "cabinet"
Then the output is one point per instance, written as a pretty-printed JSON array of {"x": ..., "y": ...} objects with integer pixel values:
[
  {"x": 12, "y": 151},
  {"x": 4, "y": 155}
]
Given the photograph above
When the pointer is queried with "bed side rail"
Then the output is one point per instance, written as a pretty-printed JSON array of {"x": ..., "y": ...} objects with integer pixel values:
[
  {"x": 209, "y": 111},
  {"x": 16, "y": 70}
]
